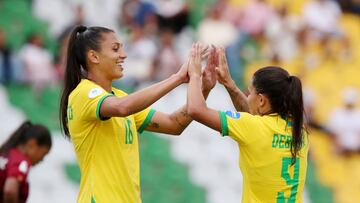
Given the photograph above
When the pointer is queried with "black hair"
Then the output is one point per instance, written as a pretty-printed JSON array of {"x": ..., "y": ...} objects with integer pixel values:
[
  {"x": 25, "y": 132},
  {"x": 285, "y": 95},
  {"x": 82, "y": 39}
]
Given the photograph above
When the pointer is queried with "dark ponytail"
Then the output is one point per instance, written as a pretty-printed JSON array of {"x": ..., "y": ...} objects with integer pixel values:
[
  {"x": 285, "y": 96},
  {"x": 296, "y": 114},
  {"x": 24, "y": 133},
  {"x": 82, "y": 39}
]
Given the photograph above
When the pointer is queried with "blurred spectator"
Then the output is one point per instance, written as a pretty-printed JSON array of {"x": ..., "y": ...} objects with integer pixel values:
[
  {"x": 323, "y": 33},
  {"x": 61, "y": 58},
  {"x": 63, "y": 40},
  {"x": 167, "y": 61},
  {"x": 225, "y": 31},
  {"x": 235, "y": 55},
  {"x": 309, "y": 97},
  {"x": 172, "y": 14},
  {"x": 255, "y": 16},
  {"x": 79, "y": 19},
  {"x": 10, "y": 66},
  {"x": 230, "y": 12},
  {"x": 350, "y": 5},
  {"x": 141, "y": 51},
  {"x": 281, "y": 33},
  {"x": 139, "y": 13},
  {"x": 5, "y": 61},
  {"x": 37, "y": 61},
  {"x": 344, "y": 122},
  {"x": 322, "y": 18}
]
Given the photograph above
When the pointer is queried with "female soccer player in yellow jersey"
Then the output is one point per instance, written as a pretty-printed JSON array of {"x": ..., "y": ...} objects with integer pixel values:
[
  {"x": 103, "y": 121},
  {"x": 271, "y": 137}
]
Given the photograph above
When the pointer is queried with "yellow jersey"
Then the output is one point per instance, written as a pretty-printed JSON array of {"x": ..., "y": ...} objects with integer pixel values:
[
  {"x": 265, "y": 158},
  {"x": 106, "y": 148}
]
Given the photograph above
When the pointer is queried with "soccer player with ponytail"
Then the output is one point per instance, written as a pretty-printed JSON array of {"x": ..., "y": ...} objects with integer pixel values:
[
  {"x": 103, "y": 122},
  {"x": 268, "y": 127}
]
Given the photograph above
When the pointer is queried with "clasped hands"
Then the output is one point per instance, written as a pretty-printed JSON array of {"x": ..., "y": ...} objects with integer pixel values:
[{"x": 216, "y": 68}]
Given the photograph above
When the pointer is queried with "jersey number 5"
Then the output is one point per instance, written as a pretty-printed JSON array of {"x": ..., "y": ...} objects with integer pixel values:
[
  {"x": 293, "y": 182},
  {"x": 129, "y": 137}
]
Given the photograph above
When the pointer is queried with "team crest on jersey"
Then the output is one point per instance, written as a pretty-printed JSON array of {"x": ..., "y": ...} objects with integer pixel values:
[
  {"x": 233, "y": 114},
  {"x": 3, "y": 162},
  {"x": 94, "y": 92},
  {"x": 23, "y": 167}
]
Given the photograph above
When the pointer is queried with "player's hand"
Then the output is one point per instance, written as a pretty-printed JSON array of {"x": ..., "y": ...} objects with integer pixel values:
[
  {"x": 222, "y": 70},
  {"x": 183, "y": 72},
  {"x": 209, "y": 73},
  {"x": 195, "y": 60},
  {"x": 205, "y": 51}
]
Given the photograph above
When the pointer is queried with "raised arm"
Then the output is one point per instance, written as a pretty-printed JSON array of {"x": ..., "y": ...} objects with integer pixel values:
[
  {"x": 176, "y": 122},
  {"x": 238, "y": 98},
  {"x": 196, "y": 104},
  {"x": 137, "y": 101}
]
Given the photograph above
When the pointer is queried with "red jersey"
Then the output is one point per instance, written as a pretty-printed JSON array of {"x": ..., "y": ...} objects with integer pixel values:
[{"x": 15, "y": 164}]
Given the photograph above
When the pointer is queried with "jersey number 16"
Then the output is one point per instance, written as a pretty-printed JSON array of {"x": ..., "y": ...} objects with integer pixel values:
[{"x": 129, "y": 137}]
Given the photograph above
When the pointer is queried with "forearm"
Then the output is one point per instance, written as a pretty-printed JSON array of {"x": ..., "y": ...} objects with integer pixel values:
[
  {"x": 195, "y": 100},
  {"x": 197, "y": 108},
  {"x": 142, "y": 99},
  {"x": 11, "y": 190},
  {"x": 181, "y": 119},
  {"x": 238, "y": 98}
]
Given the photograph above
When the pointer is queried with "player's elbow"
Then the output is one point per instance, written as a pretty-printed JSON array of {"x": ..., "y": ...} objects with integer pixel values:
[
  {"x": 194, "y": 112},
  {"x": 177, "y": 131},
  {"x": 123, "y": 111},
  {"x": 115, "y": 107},
  {"x": 191, "y": 111},
  {"x": 175, "y": 128}
]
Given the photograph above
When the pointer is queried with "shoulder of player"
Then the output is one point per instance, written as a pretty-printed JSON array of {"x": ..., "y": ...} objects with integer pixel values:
[
  {"x": 86, "y": 88},
  {"x": 241, "y": 115},
  {"x": 257, "y": 122},
  {"x": 15, "y": 156}
]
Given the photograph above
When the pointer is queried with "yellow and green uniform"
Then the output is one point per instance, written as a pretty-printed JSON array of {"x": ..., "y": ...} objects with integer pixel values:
[
  {"x": 106, "y": 148},
  {"x": 265, "y": 157}
]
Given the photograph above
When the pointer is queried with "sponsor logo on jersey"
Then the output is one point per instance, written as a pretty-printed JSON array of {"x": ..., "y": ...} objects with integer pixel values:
[
  {"x": 3, "y": 162},
  {"x": 95, "y": 92},
  {"x": 23, "y": 167},
  {"x": 233, "y": 114}
]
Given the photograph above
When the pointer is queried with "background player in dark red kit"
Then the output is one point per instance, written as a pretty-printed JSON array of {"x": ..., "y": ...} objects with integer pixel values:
[{"x": 26, "y": 147}]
